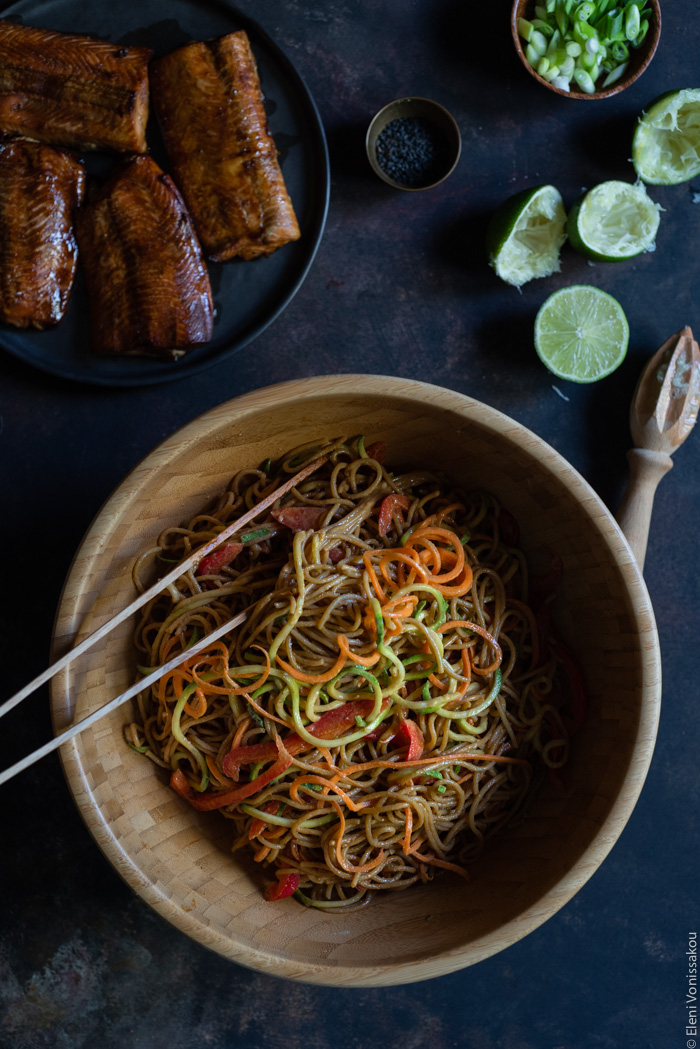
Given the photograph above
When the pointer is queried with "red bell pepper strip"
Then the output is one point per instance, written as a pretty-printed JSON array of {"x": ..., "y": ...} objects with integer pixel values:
[
  {"x": 409, "y": 731},
  {"x": 329, "y": 726},
  {"x": 508, "y": 527},
  {"x": 219, "y": 558},
  {"x": 300, "y": 518},
  {"x": 257, "y": 824},
  {"x": 376, "y": 450},
  {"x": 391, "y": 504},
  {"x": 546, "y": 582},
  {"x": 208, "y": 801},
  {"x": 576, "y": 683},
  {"x": 286, "y": 885}
]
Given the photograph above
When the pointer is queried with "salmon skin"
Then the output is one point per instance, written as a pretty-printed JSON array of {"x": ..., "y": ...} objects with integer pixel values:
[
  {"x": 147, "y": 281},
  {"x": 72, "y": 90},
  {"x": 40, "y": 189},
  {"x": 209, "y": 104}
]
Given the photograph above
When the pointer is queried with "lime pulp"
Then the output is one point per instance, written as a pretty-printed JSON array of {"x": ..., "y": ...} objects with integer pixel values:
[
  {"x": 526, "y": 235},
  {"x": 581, "y": 333},
  {"x": 614, "y": 221},
  {"x": 666, "y": 141}
]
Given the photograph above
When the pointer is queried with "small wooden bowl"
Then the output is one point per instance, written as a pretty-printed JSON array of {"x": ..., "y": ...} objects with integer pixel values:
[
  {"x": 180, "y": 862},
  {"x": 639, "y": 59}
]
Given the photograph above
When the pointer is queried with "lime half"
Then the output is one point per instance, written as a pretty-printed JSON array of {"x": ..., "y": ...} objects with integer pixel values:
[
  {"x": 613, "y": 221},
  {"x": 581, "y": 333},
  {"x": 526, "y": 235},
  {"x": 666, "y": 142}
]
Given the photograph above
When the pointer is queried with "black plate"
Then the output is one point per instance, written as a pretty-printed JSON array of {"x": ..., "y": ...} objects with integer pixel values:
[{"x": 248, "y": 296}]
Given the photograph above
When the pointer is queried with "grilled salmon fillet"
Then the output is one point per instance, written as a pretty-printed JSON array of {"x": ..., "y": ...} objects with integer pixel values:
[
  {"x": 72, "y": 90},
  {"x": 147, "y": 281},
  {"x": 209, "y": 104},
  {"x": 40, "y": 189}
]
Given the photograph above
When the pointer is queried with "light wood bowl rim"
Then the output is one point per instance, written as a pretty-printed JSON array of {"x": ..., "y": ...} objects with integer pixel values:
[{"x": 440, "y": 963}]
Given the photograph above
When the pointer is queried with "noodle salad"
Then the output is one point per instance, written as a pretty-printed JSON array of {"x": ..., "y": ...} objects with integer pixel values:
[{"x": 392, "y": 696}]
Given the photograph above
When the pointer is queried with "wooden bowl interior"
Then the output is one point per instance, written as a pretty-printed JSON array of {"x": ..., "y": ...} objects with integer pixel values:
[
  {"x": 180, "y": 861},
  {"x": 638, "y": 62}
]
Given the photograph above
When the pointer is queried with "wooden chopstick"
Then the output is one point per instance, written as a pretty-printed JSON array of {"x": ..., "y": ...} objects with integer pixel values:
[
  {"x": 144, "y": 683},
  {"x": 159, "y": 586}
]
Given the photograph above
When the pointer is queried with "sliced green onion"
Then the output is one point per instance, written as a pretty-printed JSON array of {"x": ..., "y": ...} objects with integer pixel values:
[
  {"x": 584, "y": 80},
  {"x": 525, "y": 29},
  {"x": 620, "y": 51},
  {"x": 531, "y": 55},
  {"x": 633, "y": 22},
  {"x": 253, "y": 537},
  {"x": 596, "y": 33},
  {"x": 562, "y": 17},
  {"x": 642, "y": 33},
  {"x": 538, "y": 42},
  {"x": 543, "y": 27},
  {"x": 615, "y": 74}
]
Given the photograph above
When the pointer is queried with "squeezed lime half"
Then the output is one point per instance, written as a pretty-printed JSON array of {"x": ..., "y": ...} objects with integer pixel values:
[
  {"x": 614, "y": 221},
  {"x": 581, "y": 333},
  {"x": 526, "y": 235},
  {"x": 666, "y": 141}
]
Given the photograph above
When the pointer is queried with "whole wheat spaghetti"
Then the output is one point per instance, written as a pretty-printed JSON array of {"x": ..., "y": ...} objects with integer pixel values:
[{"x": 392, "y": 697}]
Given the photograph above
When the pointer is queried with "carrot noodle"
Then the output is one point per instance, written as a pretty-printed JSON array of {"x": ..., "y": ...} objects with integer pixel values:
[
  {"x": 442, "y": 863},
  {"x": 360, "y": 639},
  {"x": 314, "y": 679},
  {"x": 364, "y": 661}
]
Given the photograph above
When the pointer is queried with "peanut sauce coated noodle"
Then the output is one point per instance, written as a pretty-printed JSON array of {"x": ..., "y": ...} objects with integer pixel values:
[{"x": 392, "y": 697}]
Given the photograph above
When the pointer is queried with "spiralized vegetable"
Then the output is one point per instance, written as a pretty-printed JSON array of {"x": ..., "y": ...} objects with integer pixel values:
[{"x": 390, "y": 700}]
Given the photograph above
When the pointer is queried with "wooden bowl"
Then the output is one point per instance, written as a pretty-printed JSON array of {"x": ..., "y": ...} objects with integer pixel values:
[
  {"x": 639, "y": 59},
  {"x": 179, "y": 861}
]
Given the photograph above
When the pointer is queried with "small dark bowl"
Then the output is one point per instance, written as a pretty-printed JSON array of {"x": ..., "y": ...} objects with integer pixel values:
[
  {"x": 424, "y": 109},
  {"x": 639, "y": 59}
]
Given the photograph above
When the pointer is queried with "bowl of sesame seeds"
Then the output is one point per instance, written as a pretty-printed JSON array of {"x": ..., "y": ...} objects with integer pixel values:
[{"x": 413, "y": 143}]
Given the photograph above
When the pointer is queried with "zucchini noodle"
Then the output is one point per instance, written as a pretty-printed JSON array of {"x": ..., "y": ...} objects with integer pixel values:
[{"x": 392, "y": 698}]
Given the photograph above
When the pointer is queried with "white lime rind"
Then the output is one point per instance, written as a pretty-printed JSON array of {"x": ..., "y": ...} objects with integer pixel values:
[
  {"x": 615, "y": 221},
  {"x": 581, "y": 333},
  {"x": 666, "y": 143},
  {"x": 531, "y": 249}
]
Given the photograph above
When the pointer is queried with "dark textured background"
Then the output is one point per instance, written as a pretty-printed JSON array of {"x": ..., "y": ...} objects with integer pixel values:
[{"x": 399, "y": 286}]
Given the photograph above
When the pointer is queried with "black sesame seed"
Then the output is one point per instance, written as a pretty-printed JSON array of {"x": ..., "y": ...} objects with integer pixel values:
[{"x": 412, "y": 151}]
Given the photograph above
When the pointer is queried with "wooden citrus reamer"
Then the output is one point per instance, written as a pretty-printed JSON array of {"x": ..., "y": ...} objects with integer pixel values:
[{"x": 663, "y": 412}]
